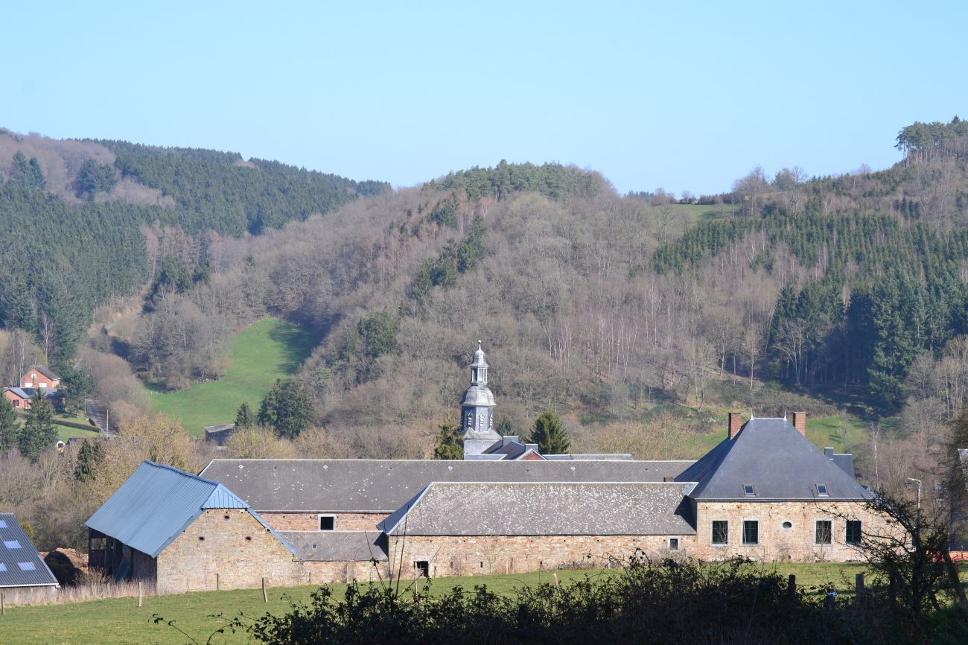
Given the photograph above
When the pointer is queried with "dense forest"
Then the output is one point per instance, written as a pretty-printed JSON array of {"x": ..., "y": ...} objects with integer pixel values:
[{"x": 84, "y": 222}]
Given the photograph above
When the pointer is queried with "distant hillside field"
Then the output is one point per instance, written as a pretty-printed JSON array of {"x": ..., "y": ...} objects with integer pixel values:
[{"x": 267, "y": 350}]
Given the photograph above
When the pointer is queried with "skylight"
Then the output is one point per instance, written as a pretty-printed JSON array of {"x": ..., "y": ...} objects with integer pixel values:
[
  {"x": 822, "y": 490},
  {"x": 11, "y": 544},
  {"x": 3, "y": 524},
  {"x": 3, "y": 567},
  {"x": 26, "y": 566},
  {"x": 748, "y": 490}
]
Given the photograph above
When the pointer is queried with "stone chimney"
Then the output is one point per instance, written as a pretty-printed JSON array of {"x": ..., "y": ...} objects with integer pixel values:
[
  {"x": 800, "y": 422},
  {"x": 734, "y": 424}
]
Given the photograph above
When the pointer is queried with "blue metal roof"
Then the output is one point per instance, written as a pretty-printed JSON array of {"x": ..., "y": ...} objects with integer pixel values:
[
  {"x": 20, "y": 564},
  {"x": 157, "y": 503}
]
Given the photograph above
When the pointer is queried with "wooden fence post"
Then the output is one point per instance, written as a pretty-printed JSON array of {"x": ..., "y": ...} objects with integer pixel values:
[
  {"x": 218, "y": 586},
  {"x": 3, "y": 610},
  {"x": 265, "y": 596},
  {"x": 858, "y": 585},
  {"x": 141, "y": 593},
  {"x": 792, "y": 585}
]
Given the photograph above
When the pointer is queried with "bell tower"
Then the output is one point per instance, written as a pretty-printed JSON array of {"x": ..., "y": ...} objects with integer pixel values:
[{"x": 477, "y": 409}]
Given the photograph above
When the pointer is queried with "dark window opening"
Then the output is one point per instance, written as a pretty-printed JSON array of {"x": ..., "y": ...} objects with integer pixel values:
[
  {"x": 201, "y": 538},
  {"x": 751, "y": 532},
  {"x": 748, "y": 490},
  {"x": 248, "y": 538},
  {"x": 720, "y": 532},
  {"x": 422, "y": 567},
  {"x": 673, "y": 544},
  {"x": 327, "y": 523},
  {"x": 788, "y": 525},
  {"x": 226, "y": 517},
  {"x": 824, "y": 532},
  {"x": 822, "y": 490},
  {"x": 854, "y": 533}
]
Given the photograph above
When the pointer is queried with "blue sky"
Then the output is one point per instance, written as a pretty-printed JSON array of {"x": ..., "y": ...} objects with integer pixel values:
[{"x": 685, "y": 95}]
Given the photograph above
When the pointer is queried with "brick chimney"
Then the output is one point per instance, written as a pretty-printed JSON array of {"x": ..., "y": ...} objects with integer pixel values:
[
  {"x": 735, "y": 423},
  {"x": 800, "y": 422}
]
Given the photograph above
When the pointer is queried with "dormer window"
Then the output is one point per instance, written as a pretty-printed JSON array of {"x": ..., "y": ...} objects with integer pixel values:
[
  {"x": 822, "y": 489},
  {"x": 748, "y": 490}
]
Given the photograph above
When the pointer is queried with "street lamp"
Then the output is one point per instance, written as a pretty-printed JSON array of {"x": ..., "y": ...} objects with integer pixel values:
[{"x": 912, "y": 480}]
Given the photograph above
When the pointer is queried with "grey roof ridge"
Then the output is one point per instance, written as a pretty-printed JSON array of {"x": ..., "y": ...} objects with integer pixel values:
[
  {"x": 214, "y": 459},
  {"x": 583, "y": 483},
  {"x": 385, "y": 525}
]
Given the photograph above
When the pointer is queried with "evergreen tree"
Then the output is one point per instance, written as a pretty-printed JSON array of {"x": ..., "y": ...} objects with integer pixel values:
[
  {"x": 37, "y": 434},
  {"x": 550, "y": 435},
  {"x": 243, "y": 418},
  {"x": 88, "y": 458},
  {"x": 286, "y": 409},
  {"x": 76, "y": 386},
  {"x": 8, "y": 425},
  {"x": 448, "y": 445},
  {"x": 505, "y": 428}
]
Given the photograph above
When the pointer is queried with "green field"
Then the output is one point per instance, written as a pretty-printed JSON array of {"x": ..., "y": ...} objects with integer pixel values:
[
  {"x": 265, "y": 351},
  {"x": 122, "y": 621}
]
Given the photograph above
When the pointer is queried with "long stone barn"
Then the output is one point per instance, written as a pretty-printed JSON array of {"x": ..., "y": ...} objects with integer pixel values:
[{"x": 764, "y": 493}]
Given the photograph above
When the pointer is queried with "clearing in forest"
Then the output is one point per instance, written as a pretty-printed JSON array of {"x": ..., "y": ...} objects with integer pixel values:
[{"x": 258, "y": 355}]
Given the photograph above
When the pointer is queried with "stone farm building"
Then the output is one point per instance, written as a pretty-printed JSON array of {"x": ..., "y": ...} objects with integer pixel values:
[{"x": 764, "y": 492}]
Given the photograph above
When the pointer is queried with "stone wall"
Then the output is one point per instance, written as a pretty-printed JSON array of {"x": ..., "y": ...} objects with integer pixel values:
[
  {"x": 777, "y": 542},
  {"x": 226, "y": 549},
  {"x": 323, "y": 572},
  {"x": 485, "y": 555},
  {"x": 310, "y": 521}
]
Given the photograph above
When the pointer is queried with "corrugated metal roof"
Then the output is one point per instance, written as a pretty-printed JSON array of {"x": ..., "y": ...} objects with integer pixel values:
[
  {"x": 20, "y": 564},
  {"x": 155, "y": 504}
]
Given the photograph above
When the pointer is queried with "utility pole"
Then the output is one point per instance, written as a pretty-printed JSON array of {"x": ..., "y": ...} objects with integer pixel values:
[{"x": 912, "y": 480}]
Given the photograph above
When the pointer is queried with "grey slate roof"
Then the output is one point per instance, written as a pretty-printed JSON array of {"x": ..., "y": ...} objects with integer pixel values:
[
  {"x": 383, "y": 485},
  {"x": 779, "y": 462},
  {"x": 20, "y": 564},
  {"x": 156, "y": 503},
  {"x": 569, "y": 508},
  {"x": 46, "y": 371},
  {"x": 337, "y": 546}
]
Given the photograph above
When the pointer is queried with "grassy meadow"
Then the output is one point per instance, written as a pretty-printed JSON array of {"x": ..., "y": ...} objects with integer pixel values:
[
  {"x": 120, "y": 620},
  {"x": 258, "y": 355}
]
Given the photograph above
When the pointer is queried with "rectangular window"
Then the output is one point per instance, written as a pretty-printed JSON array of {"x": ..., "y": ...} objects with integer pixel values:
[
  {"x": 422, "y": 567},
  {"x": 854, "y": 533},
  {"x": 822, "y": 490},
  {"x": 748, "y": 490},
  {"x": 751, "y": 532},
  {"x": 720, "y": 532},
  {"x": 327, "y": 523},
  {"x": 824, "y": 532},
  {"x": 3, "y": 567},
  {"x": 3, "y": 524},
  {"x": 26, "y": 566},
  {"x": 11, "y": 544},
  {"x": 673, "y": 544}
]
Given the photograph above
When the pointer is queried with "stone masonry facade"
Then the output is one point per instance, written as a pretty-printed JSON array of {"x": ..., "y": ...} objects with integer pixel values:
[
  {"x": 786, "y": 531},
  {"x": 310, "y": 521},
  {"x": 484, "y": 555},
  {"x": 226, "y": 549}
]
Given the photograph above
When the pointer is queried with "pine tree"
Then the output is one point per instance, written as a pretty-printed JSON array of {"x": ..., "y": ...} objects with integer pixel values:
[
  {"x": 37, "y": 434},
  {"x": 550, "y": 435},
  {"x": 448, "y": 445},
  {"x": 286, "y": 409},
  {"x": 8, "y": 425},
  {"x": 88, "y": 457},
  {"x": 243, "y": 418},
  {"x": 505, "y": 428}
]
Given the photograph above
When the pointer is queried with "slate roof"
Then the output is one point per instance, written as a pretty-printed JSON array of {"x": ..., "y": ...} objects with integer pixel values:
[
  {"x": 592, "y": 456},
  {"x": 545, "y": 508},
  {"x": 337, "y": 546},
  {"x": 20, "y": 564},
  {"x": 21, "y": 392},
  {"x": 779, "y": 462},
  {"x": 156, "y": 503},
  {"x": 383, "y": 485},
  {"x": 46, "y": 372}
]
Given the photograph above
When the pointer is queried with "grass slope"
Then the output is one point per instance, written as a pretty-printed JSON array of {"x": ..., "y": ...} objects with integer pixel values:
[
  {"x": 120, "y": 620},
  {"x": 265, "y": 351}
]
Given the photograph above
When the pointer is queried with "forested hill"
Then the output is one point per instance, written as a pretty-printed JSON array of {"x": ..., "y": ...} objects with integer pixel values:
[{"x": 84, "y": 221}]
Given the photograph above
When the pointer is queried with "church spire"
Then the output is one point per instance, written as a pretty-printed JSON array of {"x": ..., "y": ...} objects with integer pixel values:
[{"x": 477, "y": 409}]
